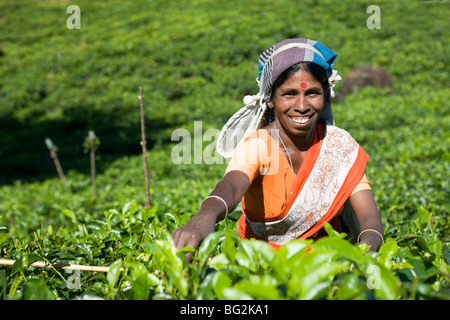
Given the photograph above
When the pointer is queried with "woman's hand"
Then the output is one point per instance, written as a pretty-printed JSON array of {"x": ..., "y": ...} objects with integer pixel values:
[
  {"x": 230, "y": 189},
  {"x": 193, "y": 233}
]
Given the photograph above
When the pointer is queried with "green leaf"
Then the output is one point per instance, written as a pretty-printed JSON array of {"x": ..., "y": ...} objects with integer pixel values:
[
  {"x": 70, "y": 214},
  {"x": 219, "y": 261},
  {"x": 205, "y": 289},
  {"x": 244, "y": 260},
  {"x": 3, "y": 238},
  {"x": 20, "y": 264},
  {"x": 178, "y": 280},
  {"x": 170, "y": 253},
  {"x": 185, "y": 250},
  {"x": 333, "y": 233},
  {"x": 148, "y": 213},
  {"x": 318, "y": 291},
  {"x": 113, "y": 273},
  {"x": 296, "y": 249},
  {"x": 149, "y": 247},
  {"x": 140, "y": 281},
  {"x": 289, "y": 256},
  {"x": 408, "y": 236},
  {"x": 351, "y": 287},
  {"x": 421, "y": 269},
  {"x": 207, "y": 247},
  {"x": 387, "y": 252},
  {"x": 220, "y": 282},
  {"x": 318, "y": 278},
  {"x": 234, "y": 294},
  {"x": 129, "y": 209},
  {"x": 423, "y": 219},
  {"x": 442, "y": 294},
  {"x": 229, "y": 247},
  {"x": 85, "y": 248},
  {"x": 92, "y": 225},
  {"x": 384, "y": 284},
  {"x": 446, "y": 253},
  {"x": 3, "y": 287},
  {"x": 140, "y": 287},
  {"x": 265, "y": 253},
  {"x": 37, "y": 289},
  {"x": 437, "y": 249},
  {"x": 341, "y": 247},
  {"x": 260, "y": 287}
]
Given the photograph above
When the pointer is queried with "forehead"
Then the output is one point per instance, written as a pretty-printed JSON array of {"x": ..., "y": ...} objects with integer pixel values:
[{"x": 301, "y": 79}]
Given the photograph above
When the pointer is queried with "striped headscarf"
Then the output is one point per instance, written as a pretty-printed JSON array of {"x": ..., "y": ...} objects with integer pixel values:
[
  {"x": 272, "y": 63},
  {"x": 275, "y": 60}
]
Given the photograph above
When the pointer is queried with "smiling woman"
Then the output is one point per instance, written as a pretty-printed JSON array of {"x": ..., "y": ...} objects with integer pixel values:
[
  {"x": 297, "y": 102},
  {"x": 292, "y": 168}
]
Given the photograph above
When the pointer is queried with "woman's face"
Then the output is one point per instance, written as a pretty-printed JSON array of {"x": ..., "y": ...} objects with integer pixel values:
[{"x": 298, "y": 103}]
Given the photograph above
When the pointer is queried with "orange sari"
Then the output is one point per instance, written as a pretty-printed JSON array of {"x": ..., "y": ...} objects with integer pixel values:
[{"x": 280, "y": 206}]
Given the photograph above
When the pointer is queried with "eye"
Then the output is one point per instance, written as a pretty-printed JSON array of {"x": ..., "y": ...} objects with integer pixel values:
[
  {"x": 314, "y": 92},
  {"x": 289, "y": 93}
]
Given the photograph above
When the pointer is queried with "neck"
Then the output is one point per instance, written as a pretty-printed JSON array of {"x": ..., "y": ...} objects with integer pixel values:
[{"x": 296, "y": 143}]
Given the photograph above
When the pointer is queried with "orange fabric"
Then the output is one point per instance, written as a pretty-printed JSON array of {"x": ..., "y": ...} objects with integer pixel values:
[
  {"x": 270, "y": 196},
  {"x": 266, "y": 197}
]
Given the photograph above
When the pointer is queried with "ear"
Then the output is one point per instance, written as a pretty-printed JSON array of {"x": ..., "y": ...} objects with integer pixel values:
[{"x": 270, "y": 104}]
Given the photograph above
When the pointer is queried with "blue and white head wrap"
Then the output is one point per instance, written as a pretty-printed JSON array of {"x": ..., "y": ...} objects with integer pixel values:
[{"x": 272, "y": 63}]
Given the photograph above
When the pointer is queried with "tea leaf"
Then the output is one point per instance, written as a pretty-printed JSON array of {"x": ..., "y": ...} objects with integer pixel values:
[
  {"x": 221, "y": 282},
  {"x": 385, "y": 285},
  {"x": 387, "y": 252},
  {"x": 114, "y": 273},
  {"x": 37, "y": 289},
  {"x": 207, "y": 247}
]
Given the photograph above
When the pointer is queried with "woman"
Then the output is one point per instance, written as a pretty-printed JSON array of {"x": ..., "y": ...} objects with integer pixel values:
[{"x": 291, "y": 167}]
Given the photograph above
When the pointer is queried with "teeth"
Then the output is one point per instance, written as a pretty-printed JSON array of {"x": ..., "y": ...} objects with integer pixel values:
[{"x": 300, "y": 120}]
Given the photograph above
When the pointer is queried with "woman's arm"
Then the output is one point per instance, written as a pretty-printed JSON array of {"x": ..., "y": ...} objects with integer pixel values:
[
  {"x": 368, "y": 216},
  {"x": 231, "y": 189}
]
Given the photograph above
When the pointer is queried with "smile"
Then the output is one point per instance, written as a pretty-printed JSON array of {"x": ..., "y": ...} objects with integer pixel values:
[{"x": 300, "y": 120}]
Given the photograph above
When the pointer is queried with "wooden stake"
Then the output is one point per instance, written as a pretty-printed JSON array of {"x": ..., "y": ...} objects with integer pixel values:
[
  {"x": 92, "y": 156},
  {"x": 54, "y": 156},
  {"x": 65, "y": 266},
  {"x": 144, "y": 149}
]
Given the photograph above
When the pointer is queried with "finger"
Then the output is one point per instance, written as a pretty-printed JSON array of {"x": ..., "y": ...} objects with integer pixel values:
[
  {"x": 189, "y": 256},
  {"x": 190, "y": 239},
  {"x": 176, "y": 238},
  {"x": 193, "y": 242},
  {"x": 179, "y": 238}
]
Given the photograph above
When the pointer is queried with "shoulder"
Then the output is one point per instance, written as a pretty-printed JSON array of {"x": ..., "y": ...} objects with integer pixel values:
[
  {"x": 250, "y": 155},
  {"x": 259, "y": 134},
  {"x": 333, "y": 132},
  {"x": 332, "y": 128},
  {"x": 255, "y": 146}
]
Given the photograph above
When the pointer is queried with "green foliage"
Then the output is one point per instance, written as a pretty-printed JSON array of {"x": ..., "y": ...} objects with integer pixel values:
[
  {"x": 146, "y": 265},
  {"x": 195, "y": 61}
]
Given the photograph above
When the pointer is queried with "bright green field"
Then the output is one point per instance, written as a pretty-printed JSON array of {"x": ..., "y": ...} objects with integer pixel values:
[{"x": 196, "y": 60}]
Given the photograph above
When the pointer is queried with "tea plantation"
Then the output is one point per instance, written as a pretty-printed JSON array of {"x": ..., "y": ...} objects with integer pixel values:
[{"x": 195, "y": 61}]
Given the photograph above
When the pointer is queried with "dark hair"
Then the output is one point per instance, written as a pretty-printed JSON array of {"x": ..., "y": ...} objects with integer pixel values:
[{"x": 317, "y": 72}]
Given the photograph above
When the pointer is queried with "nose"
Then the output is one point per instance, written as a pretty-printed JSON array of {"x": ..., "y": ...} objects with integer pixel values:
[{"x": 301, "y": 104}]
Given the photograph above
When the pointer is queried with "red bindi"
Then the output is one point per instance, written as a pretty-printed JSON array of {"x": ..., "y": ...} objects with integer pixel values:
[{"x": 303, "y": 85}]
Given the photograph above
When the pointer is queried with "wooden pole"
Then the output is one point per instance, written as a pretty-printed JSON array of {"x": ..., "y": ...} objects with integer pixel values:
[
  {"x": 144, "y": 149},
  {"x": 92, "y": 156},
  {"x": 54, "y": 156},
  {"x": 65, "y": 266}
]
